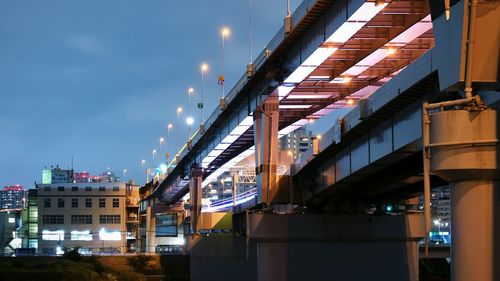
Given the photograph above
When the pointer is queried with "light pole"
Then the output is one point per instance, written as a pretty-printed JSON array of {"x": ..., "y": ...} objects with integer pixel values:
[
  {"x": 179, "y": 111},
  {"x": 224, "y": 33},
  {"x": 169, "y": 127},
  {"x": 190, "y": 122},
  {"x": 143, "y": 162},
  {"x": 161, "y": 142},
  {"x": 204, "y": 68},
  {"x": 154, "y": 153},
  {"x": 190, "y": 92}
]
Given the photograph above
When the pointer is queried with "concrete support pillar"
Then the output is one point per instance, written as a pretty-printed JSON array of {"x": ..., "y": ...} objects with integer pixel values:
[
  {"x": 474, "y": 224},
  {"x": 266, "y": 121},
  {"x": 150, "y": 231},
  {"x": 236, "y": 179},
  {"x": 465, "y": 152},
  {"x": 336, "y": 247},
  {"x": 196, "y": 195}
]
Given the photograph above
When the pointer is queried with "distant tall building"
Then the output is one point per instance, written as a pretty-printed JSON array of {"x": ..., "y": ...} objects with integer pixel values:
[
  {"x": 82, "y": 177},
  {"x": 12, "y": 197},
  {"x": 297, "y": 142},
  {"x": 56, "y": 175},
  {"x": 106, "y": 176}
]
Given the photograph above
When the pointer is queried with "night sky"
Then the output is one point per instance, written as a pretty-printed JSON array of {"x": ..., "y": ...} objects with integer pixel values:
[{"x": 99, "y": 80}]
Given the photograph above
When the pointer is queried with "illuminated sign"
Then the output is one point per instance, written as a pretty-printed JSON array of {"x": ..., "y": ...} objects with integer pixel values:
[{"x": 47, "y": 176}]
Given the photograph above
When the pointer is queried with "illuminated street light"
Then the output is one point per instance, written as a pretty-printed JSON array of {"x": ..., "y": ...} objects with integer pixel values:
[
  {"x": 224, "y": 33},
  {"x": 190, "y": 122},
  {"x": 204, "y": 68},
  {"x": 190, "y": 92},
  {"x": 161, "y": 142},
  {"x": 179, "y": 111},
  {"x": 143, "y": 162},
  {"x": 154, "y": 153}
]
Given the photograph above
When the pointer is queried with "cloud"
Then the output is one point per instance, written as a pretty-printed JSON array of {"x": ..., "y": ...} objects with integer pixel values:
[{"x": 87, "y": 44}]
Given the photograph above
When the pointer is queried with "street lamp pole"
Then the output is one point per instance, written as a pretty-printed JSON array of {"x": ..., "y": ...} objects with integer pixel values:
[
  {"x": 179, "y": 111},
  {"x": 204, "y": 68}
]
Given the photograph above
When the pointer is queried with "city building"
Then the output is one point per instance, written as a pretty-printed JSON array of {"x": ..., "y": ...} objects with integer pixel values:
[
  {"x": 29, "y": 228},
  {"x": 9, "y": 222},
  {"x": 441, "y": 216},
  {"x": 296, "y": 142},
  {"x": 56, "y": 175},
  {"x": 96, "y": 217},
  {"x": 12, "y": 197}
]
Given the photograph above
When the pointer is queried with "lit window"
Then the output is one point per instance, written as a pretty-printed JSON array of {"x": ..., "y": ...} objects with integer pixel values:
[
  {"x": 12, "y": 220},
  {"x": 81, "y": 235},
  {"x": 56, "y": 235},
  {"x": 109, "y": 235}
]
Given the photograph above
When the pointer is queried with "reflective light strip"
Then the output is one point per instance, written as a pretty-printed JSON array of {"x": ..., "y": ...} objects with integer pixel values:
[
  {"x": 224, "y": 168},
  {"x": 294, "y": 106},
  {"x": 227, "y": 141},
  {"x": 246, "y": 198}
]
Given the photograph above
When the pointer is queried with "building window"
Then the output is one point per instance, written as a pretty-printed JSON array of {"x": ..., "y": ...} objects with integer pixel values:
[
  {"x": 116, "y": 203},
  {"x": 88, "y": 188},
  {"x": 102, "y": 202},
  {"x": 85, "y": 235},
  {"x": 166, "y": 225},
  {"x": 74, "y": 188},
  {"x": 57, "y": 235},
  {"x": 46, "y": 202},
  {"x": 116, "y": 188},
  {"x": 88, "y": 202},
  {"x": 60, "y": 188},
  {"x": 81, "y": 219},
  {"x": 109, "y": 219},
  {"x": 46, "y": 188},
  {"x": 53, "y": 219},
  {"x": 102, "y": 188},
  {"x": 60, "y": 202},
  {"x": 74, "y": 203},
  {"x": 109, "y": 235}
]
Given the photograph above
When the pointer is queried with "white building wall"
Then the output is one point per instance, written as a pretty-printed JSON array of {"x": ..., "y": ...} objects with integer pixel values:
[{"x": 97, "y": 244}]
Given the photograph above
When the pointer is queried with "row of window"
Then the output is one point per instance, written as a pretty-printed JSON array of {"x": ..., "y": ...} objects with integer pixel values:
[
  {"x": 75, "y": 188},
  {"x": 47, "y": 202},
  {"x": 81, "y": 219},
  {"x": 79, "y": 235}
]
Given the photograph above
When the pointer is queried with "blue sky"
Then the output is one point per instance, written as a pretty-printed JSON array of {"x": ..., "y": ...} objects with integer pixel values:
[{"x": 99, "y": 80}]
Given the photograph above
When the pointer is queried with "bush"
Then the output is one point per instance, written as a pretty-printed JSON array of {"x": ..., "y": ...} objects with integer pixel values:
[
  {"x": 140, "y": 263},
  {"x": 72, "y": 254}
]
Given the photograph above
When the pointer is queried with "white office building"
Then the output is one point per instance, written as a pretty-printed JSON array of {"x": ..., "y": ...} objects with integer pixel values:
[{"x": 95, "y": 217}]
